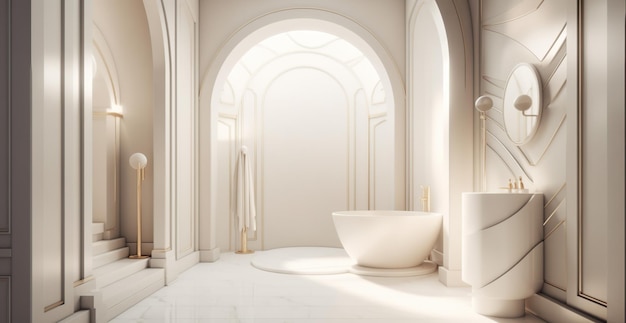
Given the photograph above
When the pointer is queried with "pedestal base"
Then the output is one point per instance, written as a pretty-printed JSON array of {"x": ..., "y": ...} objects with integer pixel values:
[
  {"x": 499, "y": 307},
  {"x": 244, "y": 252}
]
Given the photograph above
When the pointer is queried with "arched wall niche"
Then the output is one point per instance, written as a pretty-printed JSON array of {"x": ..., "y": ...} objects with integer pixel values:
[
  {"x": 105, "y": 137},
  {"x": 251, "y": 34},
  {"x": 449, "y": 119}
]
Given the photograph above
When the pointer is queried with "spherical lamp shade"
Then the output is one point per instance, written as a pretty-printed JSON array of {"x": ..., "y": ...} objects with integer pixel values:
[
  {"x": 523, "y": 102},
  {"x": 483, "y": 103},
  {"x": 138, "y": 160}
]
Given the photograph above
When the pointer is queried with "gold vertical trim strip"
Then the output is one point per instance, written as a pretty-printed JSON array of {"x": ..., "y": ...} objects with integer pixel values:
[
  {"x": 579, "y": 98},
  {"x": 64, "y": 102}
]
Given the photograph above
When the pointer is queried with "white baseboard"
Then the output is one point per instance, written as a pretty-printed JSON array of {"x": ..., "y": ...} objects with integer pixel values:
[
  {"x": 210, "y": 255},
  {"x": 451, "y": 278},
  {"x": 551, "y": 310}
]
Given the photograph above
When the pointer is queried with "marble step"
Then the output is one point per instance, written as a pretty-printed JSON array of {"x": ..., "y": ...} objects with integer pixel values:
[
  {"x": 110, "y": 256},
  {"x": 107, "y": 274},
  {"x": 97, "y": 231},
  {"x": 102, "y": 246},
  {"x": 123, "y": 294}
]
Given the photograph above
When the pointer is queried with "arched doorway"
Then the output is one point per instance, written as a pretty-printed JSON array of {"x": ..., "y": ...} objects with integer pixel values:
[
  {"x": 324, "y": 125},
  {"x": 440, "y": 114}
]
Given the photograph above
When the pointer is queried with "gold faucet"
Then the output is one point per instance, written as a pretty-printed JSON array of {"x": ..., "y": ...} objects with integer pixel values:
[{"x": 425, "y": 198}]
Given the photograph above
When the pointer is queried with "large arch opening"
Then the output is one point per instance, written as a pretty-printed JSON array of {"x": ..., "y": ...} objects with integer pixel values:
[
  {"x": 324, "y": 127},
  {"x": 440, "y": 113}
]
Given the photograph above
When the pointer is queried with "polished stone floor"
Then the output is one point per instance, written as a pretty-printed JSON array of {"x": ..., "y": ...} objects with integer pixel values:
[{"x": 231, "y": 290}]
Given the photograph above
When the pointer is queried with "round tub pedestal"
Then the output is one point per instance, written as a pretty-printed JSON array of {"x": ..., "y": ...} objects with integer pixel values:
[{"x": 425, "y": 268}]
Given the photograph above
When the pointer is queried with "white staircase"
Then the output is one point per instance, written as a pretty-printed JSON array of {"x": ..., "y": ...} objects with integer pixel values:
[{"x": 123, "y": 281}]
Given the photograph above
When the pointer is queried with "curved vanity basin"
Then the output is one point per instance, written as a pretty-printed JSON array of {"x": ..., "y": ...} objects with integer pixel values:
[{"x": 502, "y": 250}]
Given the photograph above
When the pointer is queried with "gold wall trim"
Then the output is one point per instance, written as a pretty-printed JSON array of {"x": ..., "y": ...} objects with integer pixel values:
[
  {"x": 510, "y": 154},
  {"x": 545, "y": 149},
  {"x": 53, "y": 306},
  {"x": 83, "y": 281},
  {"x": 555, "y": 195},
  {"x": 553, "y": 212},
  {"x": 546, "y": 236}
]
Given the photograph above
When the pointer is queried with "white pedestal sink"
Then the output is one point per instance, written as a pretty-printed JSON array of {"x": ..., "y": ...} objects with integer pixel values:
[{"x": 502, "y": 250}]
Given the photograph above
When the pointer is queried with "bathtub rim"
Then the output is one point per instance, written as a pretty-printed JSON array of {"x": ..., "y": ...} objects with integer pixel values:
[{"x": 384, "y": 213}]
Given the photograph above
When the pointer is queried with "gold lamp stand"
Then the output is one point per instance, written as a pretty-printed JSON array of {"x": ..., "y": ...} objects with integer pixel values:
[{"x": 139, "y": 161}]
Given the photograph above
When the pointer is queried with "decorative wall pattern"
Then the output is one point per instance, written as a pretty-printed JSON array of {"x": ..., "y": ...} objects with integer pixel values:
[{"x": 531, "y": 31}]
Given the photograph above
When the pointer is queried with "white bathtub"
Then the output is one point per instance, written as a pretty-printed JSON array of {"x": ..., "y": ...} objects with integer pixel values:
[{"x": 388, "y": 239}]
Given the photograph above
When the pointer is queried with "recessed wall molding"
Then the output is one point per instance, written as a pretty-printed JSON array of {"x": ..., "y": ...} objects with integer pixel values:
[
  {"x": 5, "y": 121},
  {"x": 5, "y": 291},
  {"x": 5, "y": 253}
]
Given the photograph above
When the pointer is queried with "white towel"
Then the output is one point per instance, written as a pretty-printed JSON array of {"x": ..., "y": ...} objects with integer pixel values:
[{"x": 245, "y": 209}]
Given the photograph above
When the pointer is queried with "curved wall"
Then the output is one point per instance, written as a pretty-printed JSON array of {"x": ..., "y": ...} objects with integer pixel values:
[
  {"x": 440, "y": 112},
  {"x": 123, "y": 24}
]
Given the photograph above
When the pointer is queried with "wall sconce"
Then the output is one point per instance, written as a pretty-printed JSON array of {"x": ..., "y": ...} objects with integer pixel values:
[
  {"x": 138, "y": 161},
  {"x": 483, "y": 104},
  {"x": 523, "y": 104},
  {"x": 116, "y": 111}
]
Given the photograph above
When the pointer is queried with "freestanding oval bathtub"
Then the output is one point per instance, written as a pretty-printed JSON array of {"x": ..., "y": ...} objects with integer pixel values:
[{"x": 388, "y": 239}]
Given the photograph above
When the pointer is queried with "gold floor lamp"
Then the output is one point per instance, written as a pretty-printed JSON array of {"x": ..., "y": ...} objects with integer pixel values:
[{"x": 138, "y": 161}]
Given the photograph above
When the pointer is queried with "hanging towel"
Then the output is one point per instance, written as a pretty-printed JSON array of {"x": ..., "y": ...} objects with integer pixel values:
[{"x": 245, "y": 209}]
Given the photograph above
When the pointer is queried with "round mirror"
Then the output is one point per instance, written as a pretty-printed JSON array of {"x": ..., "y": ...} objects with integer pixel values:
[{"x": 522, "y": 103}]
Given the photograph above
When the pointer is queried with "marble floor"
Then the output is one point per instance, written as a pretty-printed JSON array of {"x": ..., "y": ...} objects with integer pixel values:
[{"x": 231, "y": 290}]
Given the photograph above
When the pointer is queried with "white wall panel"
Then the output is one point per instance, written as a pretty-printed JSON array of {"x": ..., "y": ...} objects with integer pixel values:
[
  {"x": 185, "y": 113},
  {"x": 304, "y": 158},
  {"x": 48, "y": 165},
  {"x": 227, "y": 159},
  {"x": 59, "y": 261},
  {"x": 588, "y": 280}
]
